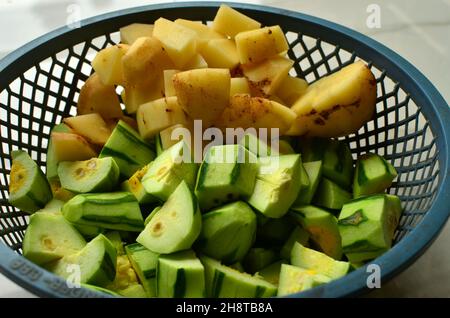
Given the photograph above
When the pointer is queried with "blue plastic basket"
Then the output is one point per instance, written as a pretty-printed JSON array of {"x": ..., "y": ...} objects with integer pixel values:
[{"x": 40, "y": 82}]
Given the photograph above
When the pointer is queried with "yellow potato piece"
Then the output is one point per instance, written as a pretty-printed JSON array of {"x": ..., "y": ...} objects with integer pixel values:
[
  {"x": 169, "y": 90},
  {"x": 159, "y": 114},
  {"x": 143, "y": 66},
  {"x": 338, "y": 104},
  {"x": 204, "y": 32},
  {"x": 291, "y": 88},
  {"x": 179, "y": 41},
  {"x": 108, "y": 64},
  {"x": 96, "y": 97},
  {"x": 231, "y": 22},
  {"x": 71, "y": 147},
  {"x": 90, "y": 126},
  {"x": 265, "y": 77},
  {"x": 239, "y": 85},
  {"x": 203, "y": 93},
  {"x": 134, "y": 31},
  {"x": 197, "y": 62},
  {"x": 220, "y": 53},
  {"x": 257, "y": 45},
  {"x": 245, "y": 111}
]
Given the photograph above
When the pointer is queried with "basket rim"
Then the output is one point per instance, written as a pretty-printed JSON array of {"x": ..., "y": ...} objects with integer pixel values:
[{"x": 403, "y": 254}]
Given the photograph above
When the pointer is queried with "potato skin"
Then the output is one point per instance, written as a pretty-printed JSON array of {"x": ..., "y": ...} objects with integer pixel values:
[
  {"x": 245, "y": 111},
  {"x": 336, "y": 105},
  {"x": 96, "y": 97}
]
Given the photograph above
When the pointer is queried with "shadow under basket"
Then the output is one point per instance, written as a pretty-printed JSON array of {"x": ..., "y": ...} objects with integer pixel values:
[{"x": 41, "y": 81}]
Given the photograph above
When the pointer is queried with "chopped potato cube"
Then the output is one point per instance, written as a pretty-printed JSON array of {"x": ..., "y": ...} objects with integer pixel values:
[
  {"x": 265, "y": 77},
  {"x": 291, "y": 88},
  {"x": 204, "y": 32},
  {"x": 132, "y": 32},
  {"x": 138, "y": 95},
  {"x": 159, "y": 114},
  {"x": 245, "y": 111},
  {"x": 71, "y": 147},
  {"x": 239, "y": 85},
  {"x": 108, "y": 64},
  {"x": 203, "y": 93},
  {"x": 90, "y": 126},
  {"x": 257, "y": 45},
  {"x": 220, "y": 53},
  {"x": 337, "y": 104},
  {"x": 179, "y": 41},
  {"x": 169, "y": 90},
  {"x": 96, "y": 97},
  {"x": 143, "y": 66},
  {"x": 144, "y": 62},
  {"x": 231, "y": 22},
  {"x": 197, "y": 62}
]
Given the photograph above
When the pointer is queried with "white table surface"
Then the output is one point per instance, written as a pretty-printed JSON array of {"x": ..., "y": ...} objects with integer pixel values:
[{"x": 416, "y": 29}]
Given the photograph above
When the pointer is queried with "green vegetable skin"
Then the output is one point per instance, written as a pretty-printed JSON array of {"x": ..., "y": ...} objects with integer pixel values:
[
  {"x": 115, "y": 211},
  {"x": 175, "y": 226},
  {"x": 329, "y": 195},
  {"x": 312, "y": 172},
  {"x": 318, "y": 262},
  {"x": 294, "y": 279},
  {"x": 335, "y": 155},
  {"x": 227, "y": 174},
  {"x": 367, "y": 226},
  {"x": 180, "y": 275},
  {"x": 29, "y": 190},
  {"x": 228, "y": 232},
  {"x": 168, "y": 170},
  {"x": 50, "y": 237},
  {"x": 144, "y": 263},
  {"x": 128, "y": 149},
  {"x": 93, "y": 175},
  {"x": 277, "y": 185},
  {"x": 373, "y": 175},
  {"x": 322, "y": 227},
  {"x": 96, "y": 263},
  {"x": 225, "y": 282}
]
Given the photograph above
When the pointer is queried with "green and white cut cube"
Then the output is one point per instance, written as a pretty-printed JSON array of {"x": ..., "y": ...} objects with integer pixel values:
[
  {"x": 114, "y": 211},
  {"x": 93, "y": 175},
  {"x": 373, "y": 175},
  {"x": 330, "y": 195},
  {"x": 313, "y": 171},
  {"x": 322, "y": 227},
  {"x": 318, "y": 262},
  {"x": 135, "y": 186},
  {"x": 49, "y": 237},
  {"x": 144, "y": 263},
  {"x": 175, "y": 226},
  {"x": 367, "y": 226},
  {"x": 227, "y": 174},
  {"x": 128, "y": 149},
  {"x": 180, "y": 275},
  {"x": 225, "y": 282},
  {"x": 168, "y": 170},
  {"x": 95, "y": 263},
  {"x": 228, "y": 232},
  {"x": 29, "y": 190},
  {"x": 294, "y": 279},
  {"x": 277, "y": 185}
]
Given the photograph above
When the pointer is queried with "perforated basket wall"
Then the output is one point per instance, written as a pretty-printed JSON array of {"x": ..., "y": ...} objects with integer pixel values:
[{"x": 40, "y": 85}]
